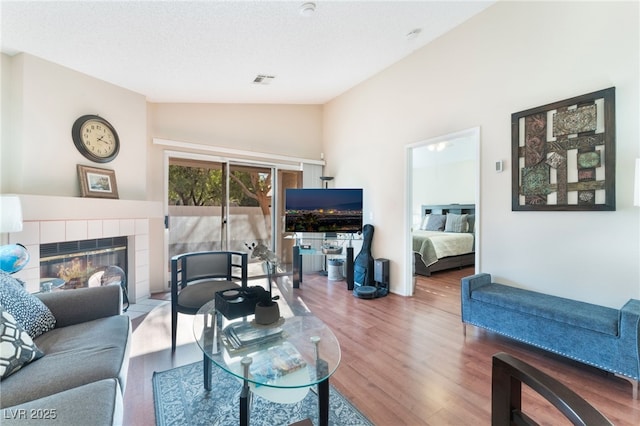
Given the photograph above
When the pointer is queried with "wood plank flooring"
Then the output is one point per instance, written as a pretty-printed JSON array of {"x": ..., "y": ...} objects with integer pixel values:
[{"x": 405, "y": 360}]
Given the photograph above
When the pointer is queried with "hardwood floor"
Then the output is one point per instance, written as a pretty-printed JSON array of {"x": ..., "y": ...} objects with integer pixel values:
[{"x": 405, "y": 361}]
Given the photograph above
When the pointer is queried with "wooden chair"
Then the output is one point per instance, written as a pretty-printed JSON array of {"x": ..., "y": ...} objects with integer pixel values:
[
  {"x": 507, "y": 375},
  {"x": 197, "y": 276}
]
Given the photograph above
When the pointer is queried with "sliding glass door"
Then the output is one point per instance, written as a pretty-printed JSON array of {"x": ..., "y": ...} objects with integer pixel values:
[
  {"x": 249, "y": 216},
  {"x": 226, "y": 205},
  {"x": 196, "y": 200}
]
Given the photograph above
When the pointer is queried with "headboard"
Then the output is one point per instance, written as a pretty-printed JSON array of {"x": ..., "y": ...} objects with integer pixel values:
[
  {"x": 448, "y": 208},
  {"x": 469, "y": 209}
]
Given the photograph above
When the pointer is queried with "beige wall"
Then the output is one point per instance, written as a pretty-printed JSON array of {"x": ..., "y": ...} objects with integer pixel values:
[
  {"x": 511, "y": 57},
  {"x": 41, "y": 100},
  {"x": 287, "y": 130}
]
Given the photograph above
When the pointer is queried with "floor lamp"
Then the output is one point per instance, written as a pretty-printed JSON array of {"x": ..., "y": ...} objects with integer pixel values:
[{"x": 10, "y": 216}]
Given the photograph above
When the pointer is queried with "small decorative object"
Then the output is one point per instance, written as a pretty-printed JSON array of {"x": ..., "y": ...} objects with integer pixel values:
[
  {"x": 266, "y": 312},
  {"x": 95, "y": 138},
  {"x": 563, "y": 155},
  {"x": 13, "y": 257},
  {"x": 99, "y": 183}
]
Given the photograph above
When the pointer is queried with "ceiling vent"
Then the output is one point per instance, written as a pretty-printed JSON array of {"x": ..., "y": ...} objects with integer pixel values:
[{"x": 263, "y": 79}]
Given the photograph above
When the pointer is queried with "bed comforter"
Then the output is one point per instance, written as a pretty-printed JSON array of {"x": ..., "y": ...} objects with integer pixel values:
[{"x": 434, "y": 245}]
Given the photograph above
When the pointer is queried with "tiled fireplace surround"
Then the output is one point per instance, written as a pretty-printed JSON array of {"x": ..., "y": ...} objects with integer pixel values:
[{"x": 51, "y": 219}]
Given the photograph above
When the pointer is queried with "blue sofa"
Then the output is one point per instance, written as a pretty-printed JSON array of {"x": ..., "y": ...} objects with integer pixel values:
[{"x": 600, "y": 336}]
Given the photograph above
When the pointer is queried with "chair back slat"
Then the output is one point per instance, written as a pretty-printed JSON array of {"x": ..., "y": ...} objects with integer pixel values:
[
  {"x": 210, "y": 266},
  {"x": 223, "y": 265},
  {"x": 207, "y": 265},
  {"x": 507, "y": 376}
]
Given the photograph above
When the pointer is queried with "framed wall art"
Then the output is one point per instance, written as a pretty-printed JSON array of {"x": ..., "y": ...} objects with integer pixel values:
[
  {"x": 96, "y": 182},
  {"x": 563, "y": 155}
]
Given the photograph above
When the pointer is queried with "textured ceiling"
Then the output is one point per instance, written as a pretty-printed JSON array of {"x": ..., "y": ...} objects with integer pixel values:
[{"x": 211, "y": 51}]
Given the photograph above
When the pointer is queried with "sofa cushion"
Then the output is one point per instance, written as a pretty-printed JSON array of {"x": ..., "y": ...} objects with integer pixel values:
[
  {"x": 98, "y": 403},
  {"x": 16, "y": 346},
  {"x": 28, "y": 310},
  {"x": 195, "y": 295},
  {"x": 568, "y": 311},
  {"x": 74, "y": 356}
]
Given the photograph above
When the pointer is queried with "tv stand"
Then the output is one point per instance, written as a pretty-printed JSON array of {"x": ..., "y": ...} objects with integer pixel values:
[{"x": 301, "y": 248}]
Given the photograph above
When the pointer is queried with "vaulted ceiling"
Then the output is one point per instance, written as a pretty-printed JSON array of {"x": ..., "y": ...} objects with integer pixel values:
[{"x": 214, "y": 51}]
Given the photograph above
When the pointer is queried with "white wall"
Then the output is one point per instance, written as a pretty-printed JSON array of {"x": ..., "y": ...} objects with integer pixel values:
[
  {"x": 511, "y": 57},
  {"x": 448, "y": 183}
]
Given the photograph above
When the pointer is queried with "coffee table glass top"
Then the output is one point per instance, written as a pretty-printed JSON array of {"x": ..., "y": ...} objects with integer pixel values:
[{"x": 295, "y": 352}]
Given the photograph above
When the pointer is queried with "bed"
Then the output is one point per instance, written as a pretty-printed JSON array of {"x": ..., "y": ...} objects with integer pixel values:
[{"x": 445, "y": 238}]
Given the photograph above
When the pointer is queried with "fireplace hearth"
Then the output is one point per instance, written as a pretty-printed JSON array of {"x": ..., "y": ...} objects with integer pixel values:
[{"x": 71, "y": 264}]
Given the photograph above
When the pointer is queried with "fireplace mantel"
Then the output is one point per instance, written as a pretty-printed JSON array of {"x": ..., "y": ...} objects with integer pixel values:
[
  {"x": 46, "y": 207},
  {"x": 51, "y": 219}
]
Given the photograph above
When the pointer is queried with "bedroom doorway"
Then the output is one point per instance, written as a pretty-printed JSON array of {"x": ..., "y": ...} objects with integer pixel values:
[{"x": 450, "y": 164}]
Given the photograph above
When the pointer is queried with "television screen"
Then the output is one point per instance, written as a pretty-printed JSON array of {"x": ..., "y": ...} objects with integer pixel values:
[{"x": 323, "y": 210}]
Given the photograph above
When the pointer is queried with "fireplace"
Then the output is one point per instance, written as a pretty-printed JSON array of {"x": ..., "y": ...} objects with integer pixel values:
[
  {"x": 71, "y": 264},
  {"x": 55, "y": 219}
]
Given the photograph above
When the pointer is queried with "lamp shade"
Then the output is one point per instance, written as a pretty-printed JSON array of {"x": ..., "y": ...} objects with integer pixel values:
[
  {"x": 636, "y": 188},
  {"x": 10, "y": 213}
]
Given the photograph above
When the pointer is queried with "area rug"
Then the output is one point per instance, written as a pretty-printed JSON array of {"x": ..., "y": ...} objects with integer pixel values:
[{"x": 180, "y": 399}]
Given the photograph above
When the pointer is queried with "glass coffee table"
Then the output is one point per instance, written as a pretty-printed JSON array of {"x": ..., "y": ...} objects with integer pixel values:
[{"x": 279, "y": 362}]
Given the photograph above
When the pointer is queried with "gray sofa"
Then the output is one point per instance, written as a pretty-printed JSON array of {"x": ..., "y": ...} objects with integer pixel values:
[
  {"x": 81, "y": 377},
  {"x": 600, "y": 336}
]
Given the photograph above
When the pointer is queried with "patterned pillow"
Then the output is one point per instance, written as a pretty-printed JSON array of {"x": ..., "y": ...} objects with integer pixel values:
[
  {"x": 436, "y": 222},
  {"x": 16, "y": 347},
  {"x": 29, "y": 311},
  {"x": 456, "y": 223}
]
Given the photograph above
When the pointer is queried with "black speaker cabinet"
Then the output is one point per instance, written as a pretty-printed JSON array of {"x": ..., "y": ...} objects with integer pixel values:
[{"x": 381, "y": 271}]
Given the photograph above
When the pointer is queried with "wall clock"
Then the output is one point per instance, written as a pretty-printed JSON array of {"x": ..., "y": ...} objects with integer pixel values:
[{"x": 95, "y": 138}]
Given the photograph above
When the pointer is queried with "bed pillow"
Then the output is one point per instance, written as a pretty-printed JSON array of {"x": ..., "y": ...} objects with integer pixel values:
[
  {"x": 16, "y": 346},
  {"x": 29, "y": 311},
  {"x": 471, "y": 220},
  {"x": 456, "y": 223},
  {"x": 423, "y": 224},
  {"x": 436, "y": 222}
]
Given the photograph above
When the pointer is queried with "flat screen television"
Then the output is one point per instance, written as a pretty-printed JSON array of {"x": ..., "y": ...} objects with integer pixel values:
[{"x": 323, "y": 210}]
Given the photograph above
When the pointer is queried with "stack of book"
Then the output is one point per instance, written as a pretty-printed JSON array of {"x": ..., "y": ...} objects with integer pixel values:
[
  {"x": 275, "y": 362},
  {"x": 243, "y": 335}
]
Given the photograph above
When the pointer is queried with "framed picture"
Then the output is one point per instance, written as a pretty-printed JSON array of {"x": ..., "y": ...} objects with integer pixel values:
[
  {"x": 95, "y": 182},
  {"x": 563, "y": 155}
]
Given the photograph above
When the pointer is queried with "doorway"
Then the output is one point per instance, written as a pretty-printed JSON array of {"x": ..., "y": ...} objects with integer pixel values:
[{"x": 440, "y": 170}]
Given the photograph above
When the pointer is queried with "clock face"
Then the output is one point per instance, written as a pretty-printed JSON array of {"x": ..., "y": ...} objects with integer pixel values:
[{"x": 95, "y": 138}]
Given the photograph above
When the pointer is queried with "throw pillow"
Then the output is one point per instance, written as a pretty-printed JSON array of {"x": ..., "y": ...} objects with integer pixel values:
[
  {"x": 29, "y": 311},
  {"x": 436, "y": 222},
  {"x": 456, "y": 223},
  {"x": 16, "y": 346}
]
